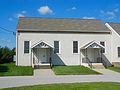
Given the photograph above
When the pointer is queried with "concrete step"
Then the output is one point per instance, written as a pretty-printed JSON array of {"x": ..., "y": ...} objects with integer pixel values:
[
  {"x": 98, "y": 66},
  {"x": 42, "y": 67},
  {"x": 116, "y": 64}
]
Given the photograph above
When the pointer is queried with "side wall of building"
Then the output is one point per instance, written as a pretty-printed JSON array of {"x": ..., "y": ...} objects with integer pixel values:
[
  {"x": 115, "y": 43},
  {"x": 66, "y": 56}
]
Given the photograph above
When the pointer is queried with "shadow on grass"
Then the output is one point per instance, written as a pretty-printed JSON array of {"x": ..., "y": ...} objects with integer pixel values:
[{"x": 3, "y": 69}]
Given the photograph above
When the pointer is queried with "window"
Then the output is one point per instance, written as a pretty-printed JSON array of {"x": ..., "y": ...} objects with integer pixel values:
[
  {"x": 118, "y": 51},
  {"x": 56, "y": 46},
  {"x": 103, "y": 49},
  {"x": 75, "y": 46},
  {"x": 26, "y": 46}
]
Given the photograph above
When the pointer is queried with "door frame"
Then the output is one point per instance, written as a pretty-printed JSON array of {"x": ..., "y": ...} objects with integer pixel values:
[{"x": 44, "y": 53}]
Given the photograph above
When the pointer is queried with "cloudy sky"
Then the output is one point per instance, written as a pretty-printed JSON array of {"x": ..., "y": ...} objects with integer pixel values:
[{"x": 11, "y": 10}]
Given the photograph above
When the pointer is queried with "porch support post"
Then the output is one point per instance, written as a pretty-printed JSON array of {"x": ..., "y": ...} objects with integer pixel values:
[
  {"x": 80, "y": 57},
  {"x": 101, "y": 54},
  {"x": 50, "y": 59},
  {"x": 86, "y": 54},
  {"x": 94, "y": 56},
  {"x": 32, "y": 58}
]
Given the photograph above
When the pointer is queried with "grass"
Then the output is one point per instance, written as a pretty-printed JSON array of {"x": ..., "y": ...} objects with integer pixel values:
[
  {"x": 73, "y": 70},
  {"x": 72, "y": 86},
  {"x": 117, "y": 69},
  {"x": 10, "y": 69}
]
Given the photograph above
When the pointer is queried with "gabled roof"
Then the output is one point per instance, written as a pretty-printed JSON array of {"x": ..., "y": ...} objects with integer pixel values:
[
  {"x": 61, "y": 24},
  {"x": 41, "y": 44},
  {"x": 115, "y": 26},
  {"x": 92, "y": 44}
]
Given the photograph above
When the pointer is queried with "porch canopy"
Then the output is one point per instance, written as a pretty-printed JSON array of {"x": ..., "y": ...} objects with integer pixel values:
[
  {"x": 41, "y": 53},
  {"x": 41, "y": 44},
  {"x": 92, "y": 52},
  {"x": 93, "y": 44}
]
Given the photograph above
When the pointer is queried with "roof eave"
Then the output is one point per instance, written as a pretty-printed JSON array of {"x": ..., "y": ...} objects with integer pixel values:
[{"x": 65, "y": 31}]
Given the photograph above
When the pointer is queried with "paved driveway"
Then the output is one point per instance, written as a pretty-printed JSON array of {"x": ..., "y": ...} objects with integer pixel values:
[
  {"x": 107, "y": 72},
  {"x": 15, "y": 81}
]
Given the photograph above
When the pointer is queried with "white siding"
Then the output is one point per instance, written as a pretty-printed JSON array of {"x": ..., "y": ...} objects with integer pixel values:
[
  {"x": 66, "y": 55},
  {"x": 115, "y": 43}
]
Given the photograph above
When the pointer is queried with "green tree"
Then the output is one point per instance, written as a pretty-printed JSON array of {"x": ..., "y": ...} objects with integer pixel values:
[{"x": 6, "y": 55}]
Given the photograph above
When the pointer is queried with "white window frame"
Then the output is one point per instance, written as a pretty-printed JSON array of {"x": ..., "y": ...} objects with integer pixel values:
[
  {"x": 59, "y": 46},
  {"x": 78, "y": 47},
  {"x": 24, "y": 47},
  {"x": 117, "y": 52}
]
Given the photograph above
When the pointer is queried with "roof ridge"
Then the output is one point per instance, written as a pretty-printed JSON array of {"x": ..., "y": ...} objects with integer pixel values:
[{"x": 60, "y": 18}]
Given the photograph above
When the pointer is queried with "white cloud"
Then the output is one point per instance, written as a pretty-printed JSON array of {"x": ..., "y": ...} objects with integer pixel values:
[
  {"x": 23, "y": 11},
  {"x": 45, "y": 10},
  {"x": 73, "y": 8},
  {"x": 101, "y": 11},
  {"x": 110, "y": 14},
  {"x": 20, "y": 15},
  {"x": 88, "y": 17},
  {"x": 10, "y": 19},
  {"x": 17, "y": 15},
  {"x": 116, "y": 10}
]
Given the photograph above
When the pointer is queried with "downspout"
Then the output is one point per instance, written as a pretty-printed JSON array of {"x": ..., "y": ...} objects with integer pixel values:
[
  {"x": 80, "y": 58},
  {"x": 31, "y": 57},
  {"x": 16, "y": 48}
]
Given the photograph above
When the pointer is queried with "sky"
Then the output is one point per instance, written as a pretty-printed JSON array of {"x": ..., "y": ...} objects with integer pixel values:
[{"x": 11, "y": 10}]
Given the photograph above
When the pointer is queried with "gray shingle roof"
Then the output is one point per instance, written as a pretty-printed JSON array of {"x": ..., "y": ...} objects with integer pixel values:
[
  {"x": 61, "y": 24},
  {"x": 115, "y": 26}
]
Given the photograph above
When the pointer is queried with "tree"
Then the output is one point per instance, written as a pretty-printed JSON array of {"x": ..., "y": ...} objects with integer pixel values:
[
  {"x": 14, "y": 51},
  {"x": 6, "y": 55}
]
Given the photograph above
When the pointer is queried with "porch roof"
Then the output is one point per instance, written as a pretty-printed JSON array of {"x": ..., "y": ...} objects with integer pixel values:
[
  {"x": 92, "y": 44},
  {"x": 41, "y": 44}
]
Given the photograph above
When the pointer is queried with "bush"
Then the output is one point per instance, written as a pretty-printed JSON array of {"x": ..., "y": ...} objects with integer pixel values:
[{"x": 6, "y": 55}]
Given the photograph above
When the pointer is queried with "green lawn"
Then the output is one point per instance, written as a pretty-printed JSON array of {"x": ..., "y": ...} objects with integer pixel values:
[
  {"x": 10, "y": 69},
  {"x": 117, "y": 69},
  {"x": 72, "y": 86},
  {"x": 73, "y": 70}
]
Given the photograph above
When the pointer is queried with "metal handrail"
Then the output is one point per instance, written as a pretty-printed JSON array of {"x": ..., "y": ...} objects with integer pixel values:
[
  {"x": 36, "y": 61},
  {"x": 89, "y": 62},
  {"x": 50, "y": 60},
  {"x": 103, "y": 62}
]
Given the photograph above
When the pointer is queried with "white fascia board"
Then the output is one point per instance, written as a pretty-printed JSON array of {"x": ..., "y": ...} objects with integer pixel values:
[
  {"x": 39, "y": 43},
  {"x": 110, "y": 27}
]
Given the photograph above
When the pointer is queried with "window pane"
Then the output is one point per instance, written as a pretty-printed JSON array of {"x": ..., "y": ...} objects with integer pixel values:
[
  {"x": 75, "y": 46},
  {"x": 118, "y": 51},
  {"x": 56, "y": 46},
  {"x": 103, "y": 44},
  {"x": 26, "y": 46}
]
